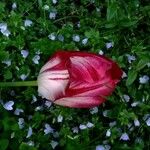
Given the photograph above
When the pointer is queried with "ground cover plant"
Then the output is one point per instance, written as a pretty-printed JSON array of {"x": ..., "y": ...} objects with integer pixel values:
[{"x": 31, "y": 31}]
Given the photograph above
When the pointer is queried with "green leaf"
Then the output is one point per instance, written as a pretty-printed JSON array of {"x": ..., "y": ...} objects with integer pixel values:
[
  {"x": 3, "y": 55},
  {"x": 112, "y": 12},
  {"x": 132, "y": 74},
  {"x": 3, "y": 144},
  {"x": 8, "y": 75},
  {"x": 47, "y": 46},
  {"x": 141, "y": 64},
  {"x": 25, "y": 146}
]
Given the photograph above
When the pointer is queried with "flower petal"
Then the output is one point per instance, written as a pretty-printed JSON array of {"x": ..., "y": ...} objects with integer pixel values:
[
  {"x": 95, "y": 89},
  {"x": 52, "y": 85}
]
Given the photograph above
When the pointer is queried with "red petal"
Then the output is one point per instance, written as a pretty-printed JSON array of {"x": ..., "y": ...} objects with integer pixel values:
[{"x": 96, "y": 89}]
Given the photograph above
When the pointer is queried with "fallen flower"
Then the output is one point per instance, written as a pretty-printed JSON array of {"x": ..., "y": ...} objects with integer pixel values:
[{"x": 78, "y": 79}]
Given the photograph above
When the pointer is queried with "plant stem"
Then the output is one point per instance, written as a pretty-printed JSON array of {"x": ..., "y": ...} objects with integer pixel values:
[{"x": 19, "y": 83}]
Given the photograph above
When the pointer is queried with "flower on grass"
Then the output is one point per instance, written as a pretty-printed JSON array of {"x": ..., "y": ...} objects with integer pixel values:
[
  {"x": 89, "y": 125},
  {"x": 14, "y": 5},
  {"x": 48, "y": 104},
  {"x": 3, "y": 27},
  {"x": 148, "y": 122},
  {"x": 34, "y": 99},
  {"x": 36, "y": 59},
  {"x": 108, "y": 133},
  {"x": 54, "y": 144},
  {"x": 144, "y": 79},
  {"x": 134, "y": 104},
  {"x": 9, "y": 105},
  {"x": 130, "y": 58},
  {"x": 18, "y": 111},
  {"x": 4, "y": 30},
  {"x": 7, "y": 62},
  {"x": 136, "y": 123},
  {"x": 76, "y": 38},
  {"x": 12, "y": 135},
  {"x": 29, "y": 132},
  {"x": 148, "y": 65},
  {"x": 6, "y": 33},
  {"x": 78, "y": 79},
  {"x": 48, "y": 129},
  {"x": 124, "y": 137},
  {"x": 21, "y": 123},
  {"x": 126, "y": 98},
  {"x": 124, "y": 75},
  {"x": 146, "y": 118},
  {"x": 106, "y": 113},
  {"x": 94, "y": 110},
  {"x": 60, "y": 118},
  {"x": 39, "y": 108},
  {"x": 101, "y": 52},
  {"x": 82, "y": 127},
  {"x": 103, "y": 147},
  {"x": 52, "y": 36},
  {"x": 109, "y": 45},
  {"x": 78, "y": 24},
  {"x": 23, "y": 76},
  {"x": 24, "y": 53},
  {"x": 112, "y": 124},
  {"x": 30, "y": 143},
  {"x": 75, "y": 129},
  {"x": 52, "y": 15},
  {"x": 28, "y": 23},
  {"x": 56, "y": 134},
  {"x": 60, "y": 37},
  {"x": 84, "y": 41},
  {"x": 54, "y": 1}
]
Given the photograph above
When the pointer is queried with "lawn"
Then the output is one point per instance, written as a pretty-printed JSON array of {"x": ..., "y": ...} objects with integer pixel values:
[{"x": 32, "y": 31}]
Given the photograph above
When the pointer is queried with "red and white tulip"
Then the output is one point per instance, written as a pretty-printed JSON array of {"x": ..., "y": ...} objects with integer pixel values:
[{"x": 78, "y": 79}]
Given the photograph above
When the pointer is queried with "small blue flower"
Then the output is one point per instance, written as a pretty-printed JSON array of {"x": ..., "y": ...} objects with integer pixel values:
[
  {"x": 48, "y": 129},
  {"x": 9, "y": 105},
  {"x": 52, "y": 36},
  {"x": 28, "y": 23},
  {"x": 124, "y": 137},
  {"x": 144, "y": 79},
  {"x": 29, "y": 132},
  {"x": 21, "y": 123},
  {"x": 52, "y": 15},
  {"x": 54, "y": 1},
  {"x": 76, "y": 38},
  {"x": 109, "y": 45},
  {"x": 84, "y": 41},
  {"x": 60, "y": 118},
  {"x": 36, "y": 59},
  {"x": 130, "y": 58},
  {"x": 54, "y": 144},
  {"x": 14, "y": 5},
  {"x": 18, "y": 111},
  {"x": 24, "y": 53},
  {"x": 60, "y": 37}
]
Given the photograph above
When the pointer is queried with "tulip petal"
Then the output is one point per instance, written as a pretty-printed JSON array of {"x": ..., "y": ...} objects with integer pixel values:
[
  {"x": 96, "y": 89},
  {"x": 89, "y": 69},
  {"x": 92, "y": 76},
  {"x": 80, "y": 102},
  {"x": 52, "y": 85}
]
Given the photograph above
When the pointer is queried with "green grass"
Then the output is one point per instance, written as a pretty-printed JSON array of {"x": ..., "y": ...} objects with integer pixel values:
[{"x": 124, "y": 23}]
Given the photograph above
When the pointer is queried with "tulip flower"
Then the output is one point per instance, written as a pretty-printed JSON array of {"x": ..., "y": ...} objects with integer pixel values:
[{"x": 78, "y": 79}]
